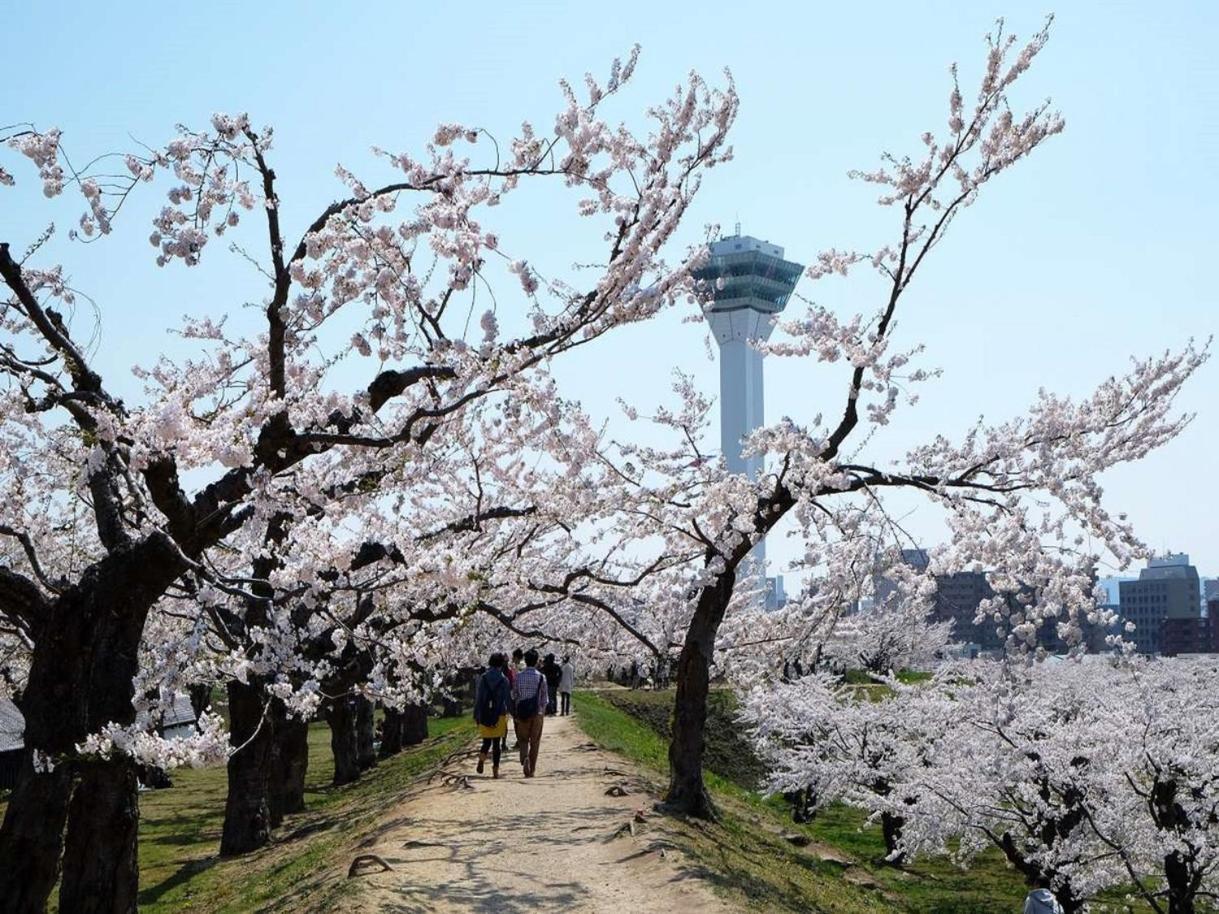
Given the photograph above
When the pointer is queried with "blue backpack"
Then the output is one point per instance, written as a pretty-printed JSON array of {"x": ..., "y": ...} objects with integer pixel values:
[{"x": 488, "y": 707}]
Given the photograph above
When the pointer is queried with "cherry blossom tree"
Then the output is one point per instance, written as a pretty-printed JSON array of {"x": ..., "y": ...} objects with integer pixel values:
[
  {"x": 1018, "y": 771},
  {"x": 1159, "y": 811},
  {"x": 251, "y": 410},
  {"x": 821, "y": 739},
  {"x": 896, "y": 635},
  {"x": 1091, "y": 776},
  {"x": 1019, "y": 498}
]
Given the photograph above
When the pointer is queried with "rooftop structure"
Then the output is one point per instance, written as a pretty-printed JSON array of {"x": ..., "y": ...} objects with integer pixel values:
[
  {"x": 12, "y": 727},
  {"x": 12, "y": 743}
]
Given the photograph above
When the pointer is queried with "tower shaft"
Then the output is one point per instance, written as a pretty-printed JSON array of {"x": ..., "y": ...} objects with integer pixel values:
[
  {"x": 741, "y": 403},
  {"x": 748, "y": 284}
]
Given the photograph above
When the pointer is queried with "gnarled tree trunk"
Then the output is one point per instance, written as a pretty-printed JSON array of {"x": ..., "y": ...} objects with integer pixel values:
[
  {"x": 687, "y": 793},
  {"x": 391, "y": 733},
  {"x": 247, "y": 813},
  {"x": 101, "y": 858},
  {"x": 84, "y": 659},
  {"x": 414, "y": 725},
  {"x": 341, "y": 716},
  {"x": 291, "y": 766},
  {"x": 1181, "y": 883},
  {"x": 366, "y": 753},
  {"x": 891, "y": 827},
  {"x": 33, "y": 837}
]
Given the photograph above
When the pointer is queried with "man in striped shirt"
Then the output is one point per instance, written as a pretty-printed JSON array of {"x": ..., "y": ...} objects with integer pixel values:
[{"x": 529, "y": 698}]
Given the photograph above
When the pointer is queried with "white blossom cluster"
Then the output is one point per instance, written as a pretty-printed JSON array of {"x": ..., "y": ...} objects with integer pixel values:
[{"x": 1096, "y": 775}]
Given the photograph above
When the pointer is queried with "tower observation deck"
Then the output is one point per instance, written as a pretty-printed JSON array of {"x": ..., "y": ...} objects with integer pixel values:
[{"x": 748, "y": 283}]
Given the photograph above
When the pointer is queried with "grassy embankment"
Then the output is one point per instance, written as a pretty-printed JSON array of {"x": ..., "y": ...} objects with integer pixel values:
[
  {"x": 746, "y": 853},
  {"x": 180, "y": 833}
]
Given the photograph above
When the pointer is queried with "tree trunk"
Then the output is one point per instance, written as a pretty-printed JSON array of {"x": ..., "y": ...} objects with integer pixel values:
[
  {"x": 85, "y": 655},
  {"x": 366, "y": 753},
  {"x": 289, "y": 764},
  {"x": 275, "y": 777},
  {"x": 891, "y": 828},
  {"x": 247, "y": 813},
  {"x": 687, "y": 793},
  {"x": 341, "y": 716},
  {"x": 391, "y": 733},
  {"x": 414, "y": 725},
  {"x": 200, "y": 698},
  {"x": 33, "y": 837},
  {"x": 292, "y": 745},
  {"x": 1181, "y": 888},
  {"x": 100, "y": 862},
  {"x": 1036, "y": 877}
]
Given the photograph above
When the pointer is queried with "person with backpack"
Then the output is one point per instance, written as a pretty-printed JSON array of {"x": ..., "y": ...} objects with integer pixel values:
[
  {"x": 491, "y": 697},
  {"x": 517, "y": 666},
  {"x": 529, "y": 697},
  {"x": 567, "y": 682},
  {"x": 550, "y": 669},
  {"x": 1041, "y": 900}
]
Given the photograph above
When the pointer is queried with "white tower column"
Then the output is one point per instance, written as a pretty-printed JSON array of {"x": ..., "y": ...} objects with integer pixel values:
[
  {"x": 741, "y": 403},
  {"x": 741, "y": 407},
  {"x": 748, "y": 284}
]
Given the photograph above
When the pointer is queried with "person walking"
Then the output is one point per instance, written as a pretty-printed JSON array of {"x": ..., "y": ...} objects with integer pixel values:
[
  {"x": 510, "y": 673},
  {"x": 517, "y": 664},
  {"x": 529, "y": 697},
  {"x": 491, "y": 697},
  {"x": 550, "y": 669},
  {"x": 567, "y": 682}
]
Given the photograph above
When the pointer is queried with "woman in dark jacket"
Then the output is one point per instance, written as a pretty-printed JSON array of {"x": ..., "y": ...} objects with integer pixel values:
[
  {"x": 491, "y": 712},
  {"x": 553, "y": 674}
]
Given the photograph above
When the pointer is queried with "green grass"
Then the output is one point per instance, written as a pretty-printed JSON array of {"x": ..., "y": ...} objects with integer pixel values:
[
  {"x": 746, "y": 855},
  {"x": 180, "y": 833},
  {"x": 739, "y": 857},
  {"x": 727, "y": 754}
]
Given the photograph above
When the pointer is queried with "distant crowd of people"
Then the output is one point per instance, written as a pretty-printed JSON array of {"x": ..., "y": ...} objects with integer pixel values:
[
  {"x": 656, "y": 676},
  {"x": 519, "y": 690}
]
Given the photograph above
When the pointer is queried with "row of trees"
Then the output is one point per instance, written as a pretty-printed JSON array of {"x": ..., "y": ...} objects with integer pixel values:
[
  {"x": 260, "y": 521},
  {"x": 1090, "y": 777}
]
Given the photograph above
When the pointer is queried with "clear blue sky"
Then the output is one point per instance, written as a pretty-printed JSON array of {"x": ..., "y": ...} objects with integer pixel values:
[{"x": 1099, "y": 247}]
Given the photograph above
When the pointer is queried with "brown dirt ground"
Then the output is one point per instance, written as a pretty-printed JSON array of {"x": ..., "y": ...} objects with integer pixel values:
[{"x": 550, "y": 843}]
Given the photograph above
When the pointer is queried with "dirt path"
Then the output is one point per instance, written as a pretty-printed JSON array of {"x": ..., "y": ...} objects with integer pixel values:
[{"x": 545, "y": 844}]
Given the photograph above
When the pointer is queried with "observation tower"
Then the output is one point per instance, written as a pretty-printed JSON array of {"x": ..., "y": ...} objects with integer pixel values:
[{"x": 748, "y": 284}]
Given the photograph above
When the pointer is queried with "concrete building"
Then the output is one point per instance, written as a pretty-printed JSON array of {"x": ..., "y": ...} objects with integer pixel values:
[
  {"x": 1113, "y": 585},
  {"x": 1168, "y": 588},
  {"x": 1210, "y": 592},
  {"x": 1190, "y": 635},
  {"x": 957, "y": 599},
  {"x": 747, "y": 283}
]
